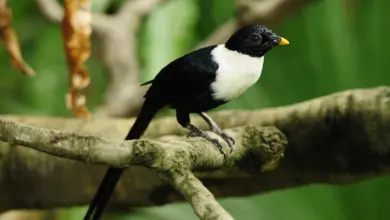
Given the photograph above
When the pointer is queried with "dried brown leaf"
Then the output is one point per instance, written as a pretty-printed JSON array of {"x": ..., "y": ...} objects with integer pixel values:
[
  {"x": 76, "y": 32},
  {"x": 10, "y": 41}
]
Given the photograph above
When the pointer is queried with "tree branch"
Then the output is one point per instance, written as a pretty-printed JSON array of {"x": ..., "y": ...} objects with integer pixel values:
[
  {"x": 52, "y": 10},
  {"x": 136, "y": 9},
  {"x": 116, "y": 37},
  {"x": 335, "y": 139},
  {"x": 266, "y": 12},
  {"x": 173, "y": 159},
  {"x": 194, "y": 153}
]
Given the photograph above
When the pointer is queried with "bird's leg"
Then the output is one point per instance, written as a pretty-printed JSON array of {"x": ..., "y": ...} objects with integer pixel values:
[
  {"x": 183, "y": 117},
  {"x": 217, "y": 130},
  {"x": 197, "y": 132}
]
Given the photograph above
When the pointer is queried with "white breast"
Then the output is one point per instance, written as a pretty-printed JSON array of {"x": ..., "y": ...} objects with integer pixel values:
[{"x": 236, "y": 73}]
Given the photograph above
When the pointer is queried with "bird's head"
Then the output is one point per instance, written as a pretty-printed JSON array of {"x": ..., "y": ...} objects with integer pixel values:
[{"x": 254, "y": 40}]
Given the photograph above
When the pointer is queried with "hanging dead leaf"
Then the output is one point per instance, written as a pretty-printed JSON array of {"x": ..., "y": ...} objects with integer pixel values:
[
  {"x": 10, "y": 41},
  {"x": 76, "y": 32}
]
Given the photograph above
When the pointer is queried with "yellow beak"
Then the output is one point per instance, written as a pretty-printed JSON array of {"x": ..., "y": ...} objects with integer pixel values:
[{"x": 283, "y": 42}]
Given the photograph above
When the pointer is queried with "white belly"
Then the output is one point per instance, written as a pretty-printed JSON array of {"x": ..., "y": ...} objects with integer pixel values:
[{"x": 236, "y": 73}]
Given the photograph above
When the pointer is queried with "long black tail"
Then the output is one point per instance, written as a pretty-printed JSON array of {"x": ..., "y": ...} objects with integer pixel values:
[{"x": 107, "y": 186}]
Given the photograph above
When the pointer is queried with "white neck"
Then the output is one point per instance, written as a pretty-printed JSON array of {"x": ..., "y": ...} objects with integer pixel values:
[{"x": 236, "y": 72}]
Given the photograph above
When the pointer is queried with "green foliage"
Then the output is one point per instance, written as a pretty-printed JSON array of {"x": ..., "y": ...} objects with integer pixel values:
[
  {"x": 334, "y": 45},
  {"x": 163, "y": 39}
]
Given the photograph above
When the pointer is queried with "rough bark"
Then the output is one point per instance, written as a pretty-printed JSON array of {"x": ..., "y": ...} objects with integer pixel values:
[
  {"x": 173, "y": 160},
  {"x": 335, "y": 139}
]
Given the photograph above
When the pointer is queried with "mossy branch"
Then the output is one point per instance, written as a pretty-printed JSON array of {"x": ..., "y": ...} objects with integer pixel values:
[
  {"x": 336, "y": 139},
  {"x": 173, "y": 159}
]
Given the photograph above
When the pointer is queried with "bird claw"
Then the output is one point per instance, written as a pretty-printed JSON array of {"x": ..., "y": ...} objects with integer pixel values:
[
  {"x": 192, "y": 134},
  {"x": 229, "y": 140},
  {"x": 199, "y": 133},
  {"x": 219, "y": 146}
]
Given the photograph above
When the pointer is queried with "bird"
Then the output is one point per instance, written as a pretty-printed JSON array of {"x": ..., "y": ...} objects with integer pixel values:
[{"x": 197, "y": 82}]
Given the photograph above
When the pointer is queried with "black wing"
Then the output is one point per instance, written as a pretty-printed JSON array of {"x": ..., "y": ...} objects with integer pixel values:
[{"x": 185, "y": 82}]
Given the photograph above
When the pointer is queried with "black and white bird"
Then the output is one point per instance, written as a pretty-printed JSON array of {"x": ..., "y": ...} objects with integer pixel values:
[{"x": 195, "y": 83}]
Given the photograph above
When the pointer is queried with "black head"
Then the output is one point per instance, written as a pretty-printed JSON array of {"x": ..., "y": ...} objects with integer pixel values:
[{"x": 254, "y": 40}]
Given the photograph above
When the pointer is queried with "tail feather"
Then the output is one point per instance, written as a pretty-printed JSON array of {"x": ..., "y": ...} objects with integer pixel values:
[
  {"x": 104, "y": 192},
  {"x": 107, "y": 186},
  {"x": 147, "y": 82}
]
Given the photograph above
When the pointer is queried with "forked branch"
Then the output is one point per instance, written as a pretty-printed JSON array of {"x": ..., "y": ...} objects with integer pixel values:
[
  {"x": 173, "y": 159},
  {"x": 336, "y": 139}
]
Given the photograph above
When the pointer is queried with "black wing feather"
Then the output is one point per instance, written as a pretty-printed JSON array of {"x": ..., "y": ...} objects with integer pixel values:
[
  {"x": 185, "y": 82},
  {"x": 148, "y": 82}
]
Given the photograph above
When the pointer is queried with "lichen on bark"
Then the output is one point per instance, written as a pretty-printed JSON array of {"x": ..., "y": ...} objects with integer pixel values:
[{"x": 173, "y": 159}]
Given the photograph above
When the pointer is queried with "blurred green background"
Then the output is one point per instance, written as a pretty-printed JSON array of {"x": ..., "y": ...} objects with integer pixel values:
[{"x": 334, "y": 45}]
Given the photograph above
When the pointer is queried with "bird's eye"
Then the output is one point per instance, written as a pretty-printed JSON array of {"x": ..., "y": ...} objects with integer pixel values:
[{"x": 255, "y": 39}]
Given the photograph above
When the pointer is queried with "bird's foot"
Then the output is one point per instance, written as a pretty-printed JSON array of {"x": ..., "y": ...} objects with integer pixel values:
[
  {"x": 191, "y": 134},
  {"x": 217, "y": 130},
  {"x": 229, "y": 140},
  {"x": 197, "y": 132}
]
